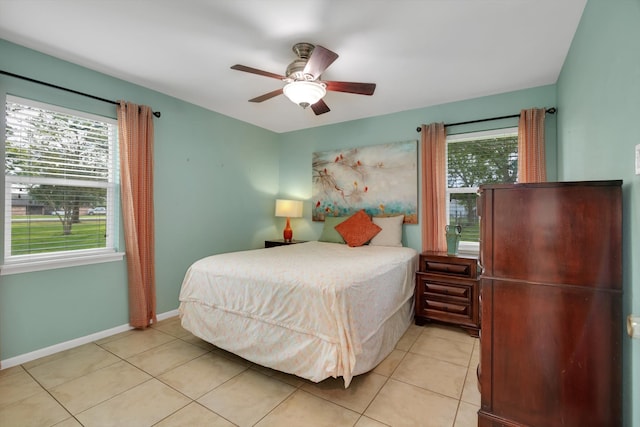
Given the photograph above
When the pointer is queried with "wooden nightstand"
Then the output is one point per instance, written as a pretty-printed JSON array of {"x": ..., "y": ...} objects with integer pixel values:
[
  {"x": 280, "y": 242},
  {"x": 447, "y": 290}
]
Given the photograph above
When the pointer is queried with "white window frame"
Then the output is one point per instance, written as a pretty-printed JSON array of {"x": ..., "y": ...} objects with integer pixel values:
[
  {"x": 15, "y": 264},
  {"x": 467, "y": 247}
]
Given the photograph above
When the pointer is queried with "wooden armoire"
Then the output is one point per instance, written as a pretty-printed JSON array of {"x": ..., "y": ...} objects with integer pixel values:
[{"x": 551, "y": 304}]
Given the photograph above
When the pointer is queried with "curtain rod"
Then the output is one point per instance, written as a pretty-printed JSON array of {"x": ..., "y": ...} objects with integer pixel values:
[
  {"x": 29, "y": 79},
  {"x": 551, "y": 110}
]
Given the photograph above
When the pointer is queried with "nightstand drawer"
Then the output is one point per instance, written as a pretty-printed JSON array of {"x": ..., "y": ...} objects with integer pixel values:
[
  {"x": 446, "y": 268},
  {"x": 447, "y": 307},
  {"x": 456, "y": 266},
  {"x": 463, "y": 292}
]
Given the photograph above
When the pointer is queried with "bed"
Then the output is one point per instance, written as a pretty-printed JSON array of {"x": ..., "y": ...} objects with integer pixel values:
[{"x": 314, "y": 309}]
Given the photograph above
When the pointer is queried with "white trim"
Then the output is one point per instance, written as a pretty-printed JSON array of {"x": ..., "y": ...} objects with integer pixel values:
[
  {"x": 56, "y": 348},
  {"x": 64, "y": 257},
  {"x": 61, "y": 262},
  {"x": 470, "y": 136},
  {"x": 20, "y": 179},
  {"x": 462, "y": 190},
  {"x": 167, "y": 314}
]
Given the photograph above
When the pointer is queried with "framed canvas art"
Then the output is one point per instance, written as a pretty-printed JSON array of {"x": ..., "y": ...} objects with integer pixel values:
[{"x": 381, "y": 179}]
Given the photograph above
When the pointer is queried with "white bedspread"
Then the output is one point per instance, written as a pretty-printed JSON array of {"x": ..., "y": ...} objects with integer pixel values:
[{"x": 306, "y": 309}]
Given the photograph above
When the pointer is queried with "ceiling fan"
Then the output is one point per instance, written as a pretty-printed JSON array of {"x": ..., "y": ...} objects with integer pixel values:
[{"x": 303, "y": 85}]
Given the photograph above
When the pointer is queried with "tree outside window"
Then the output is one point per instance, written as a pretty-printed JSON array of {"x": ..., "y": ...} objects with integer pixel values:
[
  {"x": 473, "y": 160},
  {"x": 59, "y": 164}
]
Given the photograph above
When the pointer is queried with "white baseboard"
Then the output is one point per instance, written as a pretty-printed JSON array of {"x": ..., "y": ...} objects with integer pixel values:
[
  {"x": 27, "y": 357},
  {"x": 167, "y": 314}
]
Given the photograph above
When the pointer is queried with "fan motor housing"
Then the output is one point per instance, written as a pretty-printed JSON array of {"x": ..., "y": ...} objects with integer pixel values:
[{"x": 295, "y": 69}]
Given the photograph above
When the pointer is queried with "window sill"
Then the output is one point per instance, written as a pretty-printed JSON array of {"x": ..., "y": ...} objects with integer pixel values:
[{"x": 49, "y": 264}]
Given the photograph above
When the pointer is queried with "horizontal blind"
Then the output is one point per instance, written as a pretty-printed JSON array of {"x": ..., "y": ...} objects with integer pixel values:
[
  {"x": 52, "y": 144},
  {"x": 59, "y": 167}
]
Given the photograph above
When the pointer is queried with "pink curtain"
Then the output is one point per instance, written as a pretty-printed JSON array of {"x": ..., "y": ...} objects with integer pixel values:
[
  {"x": 531, "y": 154},
  {"x": 135, "y": 125},
  {"x": 434, "y": 193}
]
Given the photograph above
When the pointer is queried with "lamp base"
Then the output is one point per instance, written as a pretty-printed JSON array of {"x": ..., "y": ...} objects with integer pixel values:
[{"x": 288, "y": 232}]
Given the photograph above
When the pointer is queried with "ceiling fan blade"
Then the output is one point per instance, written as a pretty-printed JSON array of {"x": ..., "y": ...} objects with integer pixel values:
[
  {"x": 256, "y": 71},
  {"x": 320, "y": 108},
  {"x": 266, "y": 96},
  {"x": 351, "y": 87},
  {"x": 319, "y": 61}
]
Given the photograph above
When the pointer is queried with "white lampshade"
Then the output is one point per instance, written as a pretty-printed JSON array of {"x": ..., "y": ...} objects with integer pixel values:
[
  {"x": 289, "y": 208},
  {"x": 305, "y": 93}
]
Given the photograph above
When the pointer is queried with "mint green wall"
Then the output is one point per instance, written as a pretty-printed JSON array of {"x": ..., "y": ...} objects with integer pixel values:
[
  {"x": 216, "y": 177},
  {"x": 599, "y": 108},
  {"x": 298, "y": 147},
  {"x": 215, "y": 183}
]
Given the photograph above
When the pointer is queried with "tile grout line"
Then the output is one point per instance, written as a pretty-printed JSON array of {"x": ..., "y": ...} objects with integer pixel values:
[
  {"x": 290, "y": 396},
  {"x": 120, "y": 359},
  {"x": 462, "y": 391},
  {"x": 155, "y": 377},
  {"x": 390, "y": 375},
  {"x": 192, "y": 400},
  {"x": 298, "y": 387},
  {"x": 380, "y": 389},
  {"x": 43, "y": 388}
]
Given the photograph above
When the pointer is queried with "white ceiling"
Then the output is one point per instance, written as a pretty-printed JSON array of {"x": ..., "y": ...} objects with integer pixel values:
[{"x": 418, "y": 52}]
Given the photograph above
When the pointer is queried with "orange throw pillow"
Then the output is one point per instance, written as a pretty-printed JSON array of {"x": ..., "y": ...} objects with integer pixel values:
[{"x": 358, "y": 229}]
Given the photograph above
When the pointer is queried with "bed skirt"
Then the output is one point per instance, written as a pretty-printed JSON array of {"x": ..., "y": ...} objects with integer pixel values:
[{"x": 290, "y": 351}]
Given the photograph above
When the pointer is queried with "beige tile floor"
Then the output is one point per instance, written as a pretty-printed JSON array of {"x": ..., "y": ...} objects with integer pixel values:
[{"x": 164, "y": 376}]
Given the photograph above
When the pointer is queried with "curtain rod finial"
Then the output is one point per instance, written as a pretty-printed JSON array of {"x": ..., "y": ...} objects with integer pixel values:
[
  {"x": 157, "y": 114},
  {"x": 418, "y": 129}
]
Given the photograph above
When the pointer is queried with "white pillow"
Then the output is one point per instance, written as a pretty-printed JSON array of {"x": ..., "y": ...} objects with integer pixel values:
[{"x": 391, "y": 233}]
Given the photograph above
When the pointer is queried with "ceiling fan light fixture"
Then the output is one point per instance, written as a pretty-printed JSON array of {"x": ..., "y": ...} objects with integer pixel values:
[{"x": 305, "y": 93}]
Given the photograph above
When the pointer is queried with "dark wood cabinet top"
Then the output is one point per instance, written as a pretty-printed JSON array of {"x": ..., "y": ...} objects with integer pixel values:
[{"x": 562, "y": 233}]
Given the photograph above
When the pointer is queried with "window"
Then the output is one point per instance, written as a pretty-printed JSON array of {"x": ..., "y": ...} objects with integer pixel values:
[
  {"x": 474, "y": 159},
  {"x": 60, "y": 187}
]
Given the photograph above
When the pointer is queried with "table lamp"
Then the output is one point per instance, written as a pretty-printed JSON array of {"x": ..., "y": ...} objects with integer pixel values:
[{"x": 288, "y": 209}]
